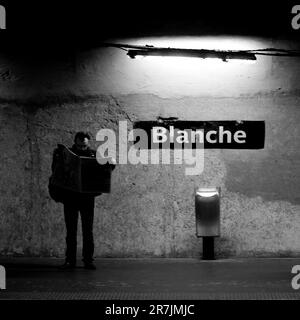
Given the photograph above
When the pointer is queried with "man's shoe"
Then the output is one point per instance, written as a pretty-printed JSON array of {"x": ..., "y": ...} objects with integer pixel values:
[
  {"x": 89, "y": 266},
  {"x": 67, "y": 266}
]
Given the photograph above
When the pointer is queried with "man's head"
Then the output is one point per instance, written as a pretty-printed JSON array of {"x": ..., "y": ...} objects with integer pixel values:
[{"x": 82, "y": 140}]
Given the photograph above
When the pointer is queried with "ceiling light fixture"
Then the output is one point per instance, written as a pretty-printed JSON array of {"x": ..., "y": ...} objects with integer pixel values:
[
  {"x": 192, "y": 53},
  {"x": 224, "y": 55}
]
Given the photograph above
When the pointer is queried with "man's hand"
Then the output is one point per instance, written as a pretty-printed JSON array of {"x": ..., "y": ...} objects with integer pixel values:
[{"x": 112, "y": 161}]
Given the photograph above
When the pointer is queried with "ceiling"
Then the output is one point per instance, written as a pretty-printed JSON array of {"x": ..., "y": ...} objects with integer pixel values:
[{"x": 51, "y": 24}]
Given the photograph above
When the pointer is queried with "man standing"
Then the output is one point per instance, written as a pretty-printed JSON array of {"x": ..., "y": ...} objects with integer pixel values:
[{"x": 74, "y": 203}]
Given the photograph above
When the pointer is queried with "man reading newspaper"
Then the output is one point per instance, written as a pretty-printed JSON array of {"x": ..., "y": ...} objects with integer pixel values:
[{"x": 74, "y": 172}]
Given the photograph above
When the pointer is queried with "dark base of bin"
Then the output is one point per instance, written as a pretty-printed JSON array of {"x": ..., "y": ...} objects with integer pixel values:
[{"x": 208, "y": 252}]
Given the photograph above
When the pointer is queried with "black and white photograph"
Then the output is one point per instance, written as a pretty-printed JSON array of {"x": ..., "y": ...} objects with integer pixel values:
[{"x": 149, "y": 155}]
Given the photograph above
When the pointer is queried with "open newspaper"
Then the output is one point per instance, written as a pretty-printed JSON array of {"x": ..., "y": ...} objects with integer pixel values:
[{"x": 80, "y": 174}]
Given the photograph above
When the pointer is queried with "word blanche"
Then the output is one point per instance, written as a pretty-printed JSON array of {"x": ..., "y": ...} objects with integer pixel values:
[
  {"x": 2, "y": 17},
  {"x": 130, "y": 151},
  {"x": 160, "y": 135}
]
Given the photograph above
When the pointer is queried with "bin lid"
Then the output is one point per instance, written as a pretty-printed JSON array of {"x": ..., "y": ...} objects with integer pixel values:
[{"x": 207, "y": 192}]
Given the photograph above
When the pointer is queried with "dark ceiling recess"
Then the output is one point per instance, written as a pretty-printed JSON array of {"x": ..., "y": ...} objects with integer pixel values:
[{"x": 85, "y": 24}]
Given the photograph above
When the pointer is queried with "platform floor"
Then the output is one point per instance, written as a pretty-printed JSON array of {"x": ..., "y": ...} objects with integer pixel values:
[{"x": 143, "y": 279}]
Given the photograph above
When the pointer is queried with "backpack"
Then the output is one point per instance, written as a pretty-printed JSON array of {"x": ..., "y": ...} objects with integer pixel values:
[{"x": 55, "y": 192}]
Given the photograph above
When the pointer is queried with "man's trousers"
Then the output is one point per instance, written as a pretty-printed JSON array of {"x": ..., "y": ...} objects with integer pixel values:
[{"x": 84, "y": 205}]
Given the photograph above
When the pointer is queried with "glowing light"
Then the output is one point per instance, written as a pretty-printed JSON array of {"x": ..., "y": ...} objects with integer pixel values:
[
  {"x": 210, "y": 43},
  {"x": 169, "y": 76},
  {"x": 207, "y": 192}
]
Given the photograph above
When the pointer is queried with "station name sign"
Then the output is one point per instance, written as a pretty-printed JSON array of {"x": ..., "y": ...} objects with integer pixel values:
[{"x": 174, "y": 134}]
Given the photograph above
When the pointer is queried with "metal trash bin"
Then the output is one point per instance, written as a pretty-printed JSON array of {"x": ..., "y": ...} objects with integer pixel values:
[{"x": 207, "y": 207}]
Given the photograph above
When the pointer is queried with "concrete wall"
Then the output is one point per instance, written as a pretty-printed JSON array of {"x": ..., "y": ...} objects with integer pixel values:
[{"x": 150, "y": 212}]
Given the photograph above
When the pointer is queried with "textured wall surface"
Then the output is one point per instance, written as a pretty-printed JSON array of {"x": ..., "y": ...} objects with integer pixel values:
[{"x": 150, "y": 211}]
